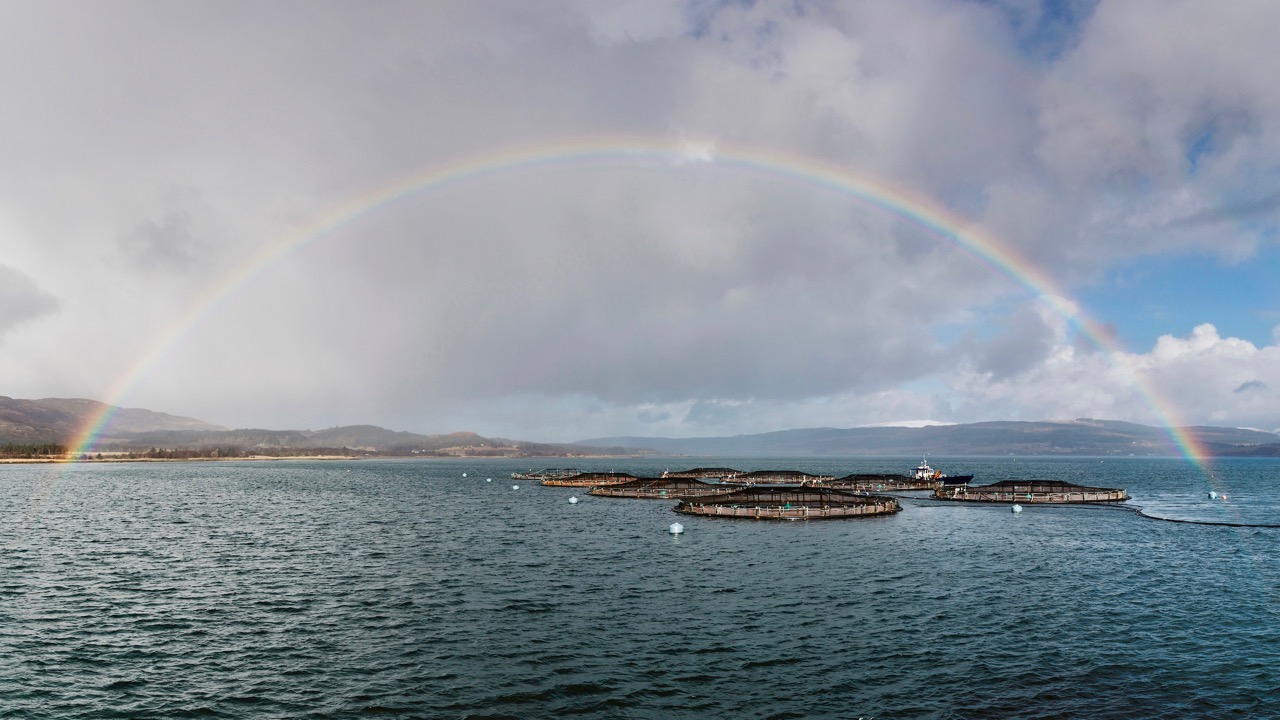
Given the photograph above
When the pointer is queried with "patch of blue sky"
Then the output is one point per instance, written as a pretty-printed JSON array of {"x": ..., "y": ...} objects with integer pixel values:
[
  {"x": 1171, "y": 295},
  {"x": 1201, "y": 145},
  {"x": 1045, "y": 29},
  {"x": 698, "y": 14}
]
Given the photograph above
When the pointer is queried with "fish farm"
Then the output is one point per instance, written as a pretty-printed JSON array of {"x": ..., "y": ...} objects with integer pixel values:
[
  {"x": 789, "y": 503},
  {"x": 1030, "y": 491},
  {"x": 795, "y": 495}
]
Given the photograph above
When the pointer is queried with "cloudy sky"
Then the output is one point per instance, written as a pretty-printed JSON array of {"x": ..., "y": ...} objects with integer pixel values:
[{"x": 153, "y": 151}]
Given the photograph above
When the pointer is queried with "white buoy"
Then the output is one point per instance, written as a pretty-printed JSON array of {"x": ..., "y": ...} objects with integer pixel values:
[
  {"x": 573, "y": 501},
  {"x": 488, "y": 479},
  {"x": 675, "y": 529},
  {"x": 515, "y": 487},
  {"x": 1017, "y": 507},
  {"x": 464, "y": 474},
  {"x": 1213, "y": 495}
]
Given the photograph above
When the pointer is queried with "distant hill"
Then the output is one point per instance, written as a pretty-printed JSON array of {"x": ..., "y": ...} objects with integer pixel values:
[
  {"x": 1073, "y": 437},
  {"x": 59, "y": 420},
  {"x": 364, "y": 438}
]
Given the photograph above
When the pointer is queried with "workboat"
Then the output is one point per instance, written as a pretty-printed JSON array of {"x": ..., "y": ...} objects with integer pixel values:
[{"x": 924, "y": 473}]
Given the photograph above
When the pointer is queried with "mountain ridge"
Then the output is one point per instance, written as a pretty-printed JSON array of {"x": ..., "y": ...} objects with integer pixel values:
[
  {"x": 1082, "y": 436},
  {"x": 61, "y": 420}
]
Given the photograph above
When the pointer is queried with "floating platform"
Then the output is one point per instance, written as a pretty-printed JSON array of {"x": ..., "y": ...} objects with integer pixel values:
[
  {"x": 789, "y": 503},
  {"x": 1031, "y": 491},
  {"x": 665, "y": 488},
  {"x": 590, "y": 479}
]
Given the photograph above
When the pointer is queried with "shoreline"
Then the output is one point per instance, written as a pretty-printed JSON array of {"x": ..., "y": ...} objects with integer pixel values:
[
  {"x": 259, "y": 458},
  {"x": 93, "y": 461}
]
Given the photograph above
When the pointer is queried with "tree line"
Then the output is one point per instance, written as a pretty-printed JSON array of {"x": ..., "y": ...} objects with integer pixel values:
[{"x": 31, "y": 451}]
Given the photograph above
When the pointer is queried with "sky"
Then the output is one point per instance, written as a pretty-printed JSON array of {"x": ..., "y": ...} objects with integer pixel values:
[{"x": 309, "y": 214}]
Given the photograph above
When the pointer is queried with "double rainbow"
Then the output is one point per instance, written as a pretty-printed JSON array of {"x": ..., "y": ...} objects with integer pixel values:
[{"x": 626, "y": 151}]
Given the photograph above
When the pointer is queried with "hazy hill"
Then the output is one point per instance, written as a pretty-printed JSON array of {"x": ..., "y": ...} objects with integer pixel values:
[
  {"x": 366, "y": 438},
  {"x": 59, "y": 420},
  {"x": 1074, "y": 437}
]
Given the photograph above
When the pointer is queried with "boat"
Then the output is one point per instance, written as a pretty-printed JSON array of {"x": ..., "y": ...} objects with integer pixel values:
[{"x": 924, "y": 473}]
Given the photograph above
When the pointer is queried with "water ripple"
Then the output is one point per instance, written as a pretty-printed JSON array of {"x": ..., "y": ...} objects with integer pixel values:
[{"x": 399, "y": 589}]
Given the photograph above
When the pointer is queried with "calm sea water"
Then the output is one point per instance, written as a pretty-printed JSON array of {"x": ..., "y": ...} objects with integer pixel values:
[{"x": 404, "y": 589}]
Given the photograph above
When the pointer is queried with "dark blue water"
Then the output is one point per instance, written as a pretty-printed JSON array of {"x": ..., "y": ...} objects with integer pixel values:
[{"x": 403, "y": 589}]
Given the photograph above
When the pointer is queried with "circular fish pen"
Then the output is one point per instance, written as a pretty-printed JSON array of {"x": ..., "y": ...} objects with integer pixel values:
[
  {"x": 547, "y": 474},
  {"x": 781, "y": 477},
  {"x": 1031, "y": 491},
  {"x": 590, "y": 479},
  {"x": 871, "y": 482},
  {"x": 668, "y": 488},
  {"x": 789, "y": 503},
  {"x": 702, "y": 473}
]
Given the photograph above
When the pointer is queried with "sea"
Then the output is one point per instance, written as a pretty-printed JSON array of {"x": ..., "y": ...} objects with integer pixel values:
[{"x": 446, "y": 589}]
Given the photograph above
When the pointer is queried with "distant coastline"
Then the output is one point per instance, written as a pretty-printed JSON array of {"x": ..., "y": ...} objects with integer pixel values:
[
  {"x": 282, "y": 458},
  {"x": 47, "y": 430},
  {"x": 123, "y": 459}
]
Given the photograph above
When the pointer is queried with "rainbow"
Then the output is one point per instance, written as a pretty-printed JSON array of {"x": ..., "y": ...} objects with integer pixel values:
[{"x": 633, "y": 151}]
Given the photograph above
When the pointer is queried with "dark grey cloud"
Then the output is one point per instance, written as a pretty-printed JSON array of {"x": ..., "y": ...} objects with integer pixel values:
[
  {"x": 1023, "y": 342},
  {"x": 21, "y": 300},
  {"x": 166, "y": 243}
]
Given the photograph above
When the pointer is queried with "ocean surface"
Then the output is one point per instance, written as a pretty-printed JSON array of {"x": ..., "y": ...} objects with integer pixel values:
[{"x": 433, "y": 589}]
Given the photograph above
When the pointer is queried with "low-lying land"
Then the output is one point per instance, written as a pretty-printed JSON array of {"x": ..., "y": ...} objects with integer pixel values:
[{"x": 55, "y": 421}]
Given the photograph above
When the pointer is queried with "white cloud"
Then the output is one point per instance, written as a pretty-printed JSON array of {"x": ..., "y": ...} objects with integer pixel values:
[
  {"x": 1199, "y": 379},
  {"x": 161, "y": 147},
  {"x": 1159, "y": 111}
]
